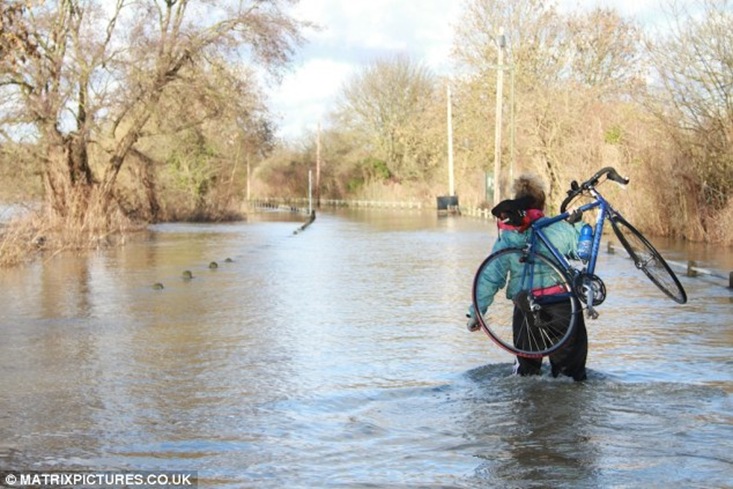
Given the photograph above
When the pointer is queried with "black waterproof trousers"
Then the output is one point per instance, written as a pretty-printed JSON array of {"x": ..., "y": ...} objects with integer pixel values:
[{"x": 570, "y": 359}]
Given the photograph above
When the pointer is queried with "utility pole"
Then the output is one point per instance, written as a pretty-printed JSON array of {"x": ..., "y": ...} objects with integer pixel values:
[
  {"x": 501, "y": 43},
  {"x": 511, "y": 126},
  {"x": 318, "y": 166},
  {"x": 451, "y": 181},
  {"x": 310, "y": 192},
  {"x": 249, "y": 178}
]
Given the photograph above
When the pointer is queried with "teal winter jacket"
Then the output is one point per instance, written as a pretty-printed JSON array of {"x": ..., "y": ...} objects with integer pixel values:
[{"x": 562, "y": 235}]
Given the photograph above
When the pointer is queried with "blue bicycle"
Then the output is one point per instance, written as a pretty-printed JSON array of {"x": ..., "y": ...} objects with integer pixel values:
[{"x": 551, "y": 291}]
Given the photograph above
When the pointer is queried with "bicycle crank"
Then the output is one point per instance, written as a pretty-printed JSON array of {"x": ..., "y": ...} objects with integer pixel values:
[{"x": 590, "y": 289}]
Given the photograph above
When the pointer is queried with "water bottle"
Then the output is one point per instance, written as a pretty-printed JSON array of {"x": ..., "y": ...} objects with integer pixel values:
[{"x": 585, "y": 242}]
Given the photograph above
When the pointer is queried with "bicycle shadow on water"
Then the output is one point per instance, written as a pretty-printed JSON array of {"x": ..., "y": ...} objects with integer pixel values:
[{"x": 535, "y": 430}]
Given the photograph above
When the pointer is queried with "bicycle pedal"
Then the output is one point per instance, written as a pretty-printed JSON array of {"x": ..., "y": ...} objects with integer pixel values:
[{"x": 591, "y": 314}]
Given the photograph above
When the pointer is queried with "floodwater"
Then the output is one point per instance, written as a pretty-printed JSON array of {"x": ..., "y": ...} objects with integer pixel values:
[{"x": 338, "y": 357}]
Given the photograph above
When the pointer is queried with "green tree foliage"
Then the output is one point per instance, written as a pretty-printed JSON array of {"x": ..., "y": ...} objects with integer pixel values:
[{"x": 193, "y": 164}]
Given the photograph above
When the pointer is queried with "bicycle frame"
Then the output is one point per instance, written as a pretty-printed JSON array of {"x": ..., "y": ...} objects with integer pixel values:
[
  {"x": 540, "y": 279},
  {"x": 538, "y": 234}
]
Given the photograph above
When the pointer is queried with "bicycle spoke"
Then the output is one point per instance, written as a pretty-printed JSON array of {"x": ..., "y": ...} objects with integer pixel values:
[
  {"x": 531, "y": 321},
  {"x": 648, "y": 260}
]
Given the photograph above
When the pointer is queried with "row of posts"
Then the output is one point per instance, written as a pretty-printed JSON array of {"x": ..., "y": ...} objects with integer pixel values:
[{"x": 691, "y": 268}]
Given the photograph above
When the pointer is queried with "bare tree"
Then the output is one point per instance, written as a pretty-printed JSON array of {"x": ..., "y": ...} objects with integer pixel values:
[
  {"x": 16, "y": 43},
  {"x": 533, "y": 32},
  {"x": 537, "y": 54},
  {"x": 388, "y": 103},
  {"x": 606, "y": 51},
  {"x": 562, "y": 66},
  {"x": 694, "y": 94},
  {"x": 98, "y": 73}
]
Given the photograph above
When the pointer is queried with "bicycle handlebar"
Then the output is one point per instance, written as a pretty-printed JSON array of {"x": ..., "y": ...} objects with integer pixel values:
[{"x": 576, "y": 189}]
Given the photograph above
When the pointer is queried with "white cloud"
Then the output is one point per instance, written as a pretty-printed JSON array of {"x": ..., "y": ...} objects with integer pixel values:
[
  {"x": 356, "y": 32},
  {"x": 304, "y": 97},
  {"x": 642, "y": 10}
]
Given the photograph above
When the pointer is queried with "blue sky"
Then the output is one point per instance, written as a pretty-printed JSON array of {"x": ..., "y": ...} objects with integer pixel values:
[{"x": 355, "y": 32}]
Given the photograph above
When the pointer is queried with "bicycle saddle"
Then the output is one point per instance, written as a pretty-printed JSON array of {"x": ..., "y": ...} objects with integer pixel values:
[{"x": 512, "y": 211}]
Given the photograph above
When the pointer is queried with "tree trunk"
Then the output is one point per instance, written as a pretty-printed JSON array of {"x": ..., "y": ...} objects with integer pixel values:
[
  {"x": 146, "y": 174},
  {"x": 67, "y": 177}
]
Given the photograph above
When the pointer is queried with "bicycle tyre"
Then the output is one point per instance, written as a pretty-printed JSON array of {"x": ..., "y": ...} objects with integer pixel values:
[
  {"x": 648, "y": 259},
  {"x": 541, "y": 332}
]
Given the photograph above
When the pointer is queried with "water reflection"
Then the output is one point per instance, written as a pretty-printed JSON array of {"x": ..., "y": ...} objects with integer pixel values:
[{"x": 338, "y": 357}]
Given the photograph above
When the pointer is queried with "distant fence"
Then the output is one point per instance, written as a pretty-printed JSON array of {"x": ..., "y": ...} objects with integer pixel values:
[
  {"x": 301, "y": 205},
  {"x": 378, "y": 204},
  {"x": 479, "y": 212},
  {"x": 693, "y": 271},
  {"x": 279, "y": 205}
]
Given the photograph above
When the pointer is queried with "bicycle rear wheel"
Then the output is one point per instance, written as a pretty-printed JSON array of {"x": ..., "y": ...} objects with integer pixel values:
[
  {"x": 538, "y": 313},
  {"x": 648, "y": 259}
]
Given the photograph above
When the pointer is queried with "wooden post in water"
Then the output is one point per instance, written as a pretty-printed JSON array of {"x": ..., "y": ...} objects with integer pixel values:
[{"x": 691, "y": 268}]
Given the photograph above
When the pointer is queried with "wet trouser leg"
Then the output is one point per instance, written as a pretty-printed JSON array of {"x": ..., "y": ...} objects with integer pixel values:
[{"x": 569, "y": 360}]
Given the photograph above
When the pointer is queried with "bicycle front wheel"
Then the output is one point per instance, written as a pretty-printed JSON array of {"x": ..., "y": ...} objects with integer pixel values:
[
  {"x": 648, "y": 259},
  {"x": 536, "y": 313}
]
